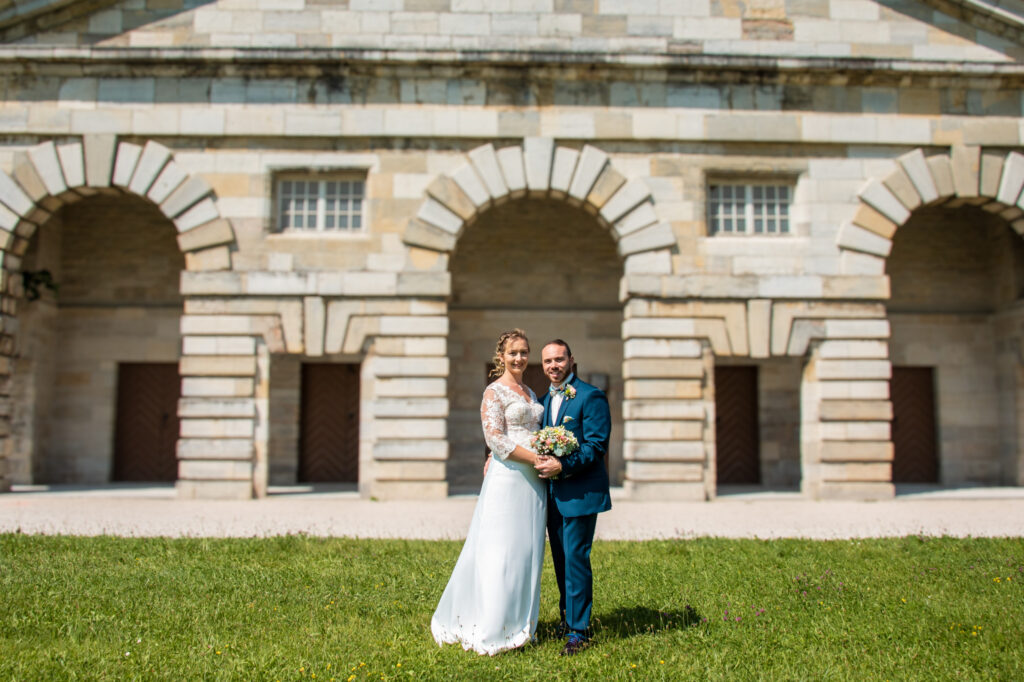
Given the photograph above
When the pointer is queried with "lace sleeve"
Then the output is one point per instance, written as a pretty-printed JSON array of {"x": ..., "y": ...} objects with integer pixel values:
[{"x": 492, "y": 416}]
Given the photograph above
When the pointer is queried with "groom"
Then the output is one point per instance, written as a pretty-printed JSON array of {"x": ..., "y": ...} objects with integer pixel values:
[{"x": 578, "y": 488}]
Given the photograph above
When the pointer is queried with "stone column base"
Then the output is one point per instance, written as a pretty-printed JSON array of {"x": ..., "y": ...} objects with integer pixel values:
[
  {"x": 409, "y": 490},
  {"x": 859, "y": 492},
  {"x": 214, "y": 490},
  {"x": 665, "y": 491}
]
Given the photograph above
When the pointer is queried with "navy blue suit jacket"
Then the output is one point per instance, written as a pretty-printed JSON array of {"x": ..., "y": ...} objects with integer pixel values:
[{"x": 582, "y": 487}]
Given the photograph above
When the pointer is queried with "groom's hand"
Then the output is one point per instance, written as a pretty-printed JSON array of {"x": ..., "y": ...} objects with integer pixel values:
[{"x": 549, "y": 467}]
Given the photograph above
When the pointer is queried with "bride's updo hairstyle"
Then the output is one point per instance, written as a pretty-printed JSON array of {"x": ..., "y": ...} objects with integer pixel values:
[{"x": 499, "y": 364}]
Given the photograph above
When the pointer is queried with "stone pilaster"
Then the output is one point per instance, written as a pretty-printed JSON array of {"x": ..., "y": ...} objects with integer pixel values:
[
  {"x": 408, "y": 422},
  {"x": 223, "y": 379},
  {"x": 667, "y": 408},
  {"x": 846, "y": 449}
]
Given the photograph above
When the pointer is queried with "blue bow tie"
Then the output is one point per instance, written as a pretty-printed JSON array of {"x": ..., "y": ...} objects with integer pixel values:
[{"x": 554, "y": 390}]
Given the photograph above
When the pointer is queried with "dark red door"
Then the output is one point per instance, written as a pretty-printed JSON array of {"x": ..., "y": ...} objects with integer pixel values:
[
  {"x": 736, "y": 426},
  {"x": 329, "y": 432},
  {"x": 915, "y": 451},
  {"x": 146, "y": 424}
]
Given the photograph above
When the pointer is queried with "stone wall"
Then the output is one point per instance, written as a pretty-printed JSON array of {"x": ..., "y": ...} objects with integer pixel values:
[{"x": 596, "y": 344}]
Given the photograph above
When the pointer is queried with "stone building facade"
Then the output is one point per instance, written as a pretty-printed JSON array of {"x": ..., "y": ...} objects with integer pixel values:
[{"x": 784, "y": 236}]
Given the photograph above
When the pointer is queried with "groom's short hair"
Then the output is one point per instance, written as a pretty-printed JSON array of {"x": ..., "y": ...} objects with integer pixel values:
[{"x": 559, "y": 342}]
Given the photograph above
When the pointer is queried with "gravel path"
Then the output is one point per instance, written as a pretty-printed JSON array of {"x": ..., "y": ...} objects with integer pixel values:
[{"x": 989, "y": 512}]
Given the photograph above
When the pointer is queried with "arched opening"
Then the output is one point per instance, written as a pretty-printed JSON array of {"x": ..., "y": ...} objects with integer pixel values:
[
  {"x": 957, "y": 278},
  {"x": 96, "y": 379},
  {"x": 549, "y": 268}
]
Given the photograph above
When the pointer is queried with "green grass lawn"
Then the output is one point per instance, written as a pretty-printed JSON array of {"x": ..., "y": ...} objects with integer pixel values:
[{"x": 310, "y": 608}]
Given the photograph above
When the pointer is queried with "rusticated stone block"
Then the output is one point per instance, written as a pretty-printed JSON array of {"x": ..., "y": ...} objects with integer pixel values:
[
  {"x": 872, "y": 220},
  {"x": 218, "y": 407},
  {"x": 217, "y": 258},
  {"x": 448, "y": 193},
  {"x": 966, "y": 166},
  {"x": 213, "y": 233},
  {"x": 28, "y": 178},
  {"x": 419, "y": 233},
  {"x": 410, "y": 450},
  {"x": 608, "y": 183},
  {"x": 659, "y": 368},
  {"x": 656, "y": 451},
  {"x": 855, "y": 410},
  {"x": 99, "y": 158},
  {"x": 900, "y": 185},
  {"x": 217, "y": 365},
  {"x": 664, "y": 430},
  {"x": 216, "y": 448},
  {"x": 216, "y": 387},
  {"x": 942, "y": 173},
  {"x": 185, "y": 196},
  {"x": 217, "y": 428},
  {"x": 857, "y": 451}
]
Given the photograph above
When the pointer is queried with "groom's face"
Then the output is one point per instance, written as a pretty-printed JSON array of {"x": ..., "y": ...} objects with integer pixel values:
[{"x": 556, "y": 361}]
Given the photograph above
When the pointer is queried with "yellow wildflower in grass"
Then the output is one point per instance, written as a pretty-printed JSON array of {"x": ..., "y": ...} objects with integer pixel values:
[{"x": 351, "y": 677}]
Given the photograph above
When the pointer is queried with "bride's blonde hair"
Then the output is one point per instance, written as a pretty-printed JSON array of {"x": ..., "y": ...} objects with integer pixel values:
[{"x": 499, "y": 364}]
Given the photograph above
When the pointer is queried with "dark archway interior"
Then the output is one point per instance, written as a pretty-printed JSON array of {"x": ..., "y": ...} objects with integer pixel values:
[
  {"x": 111, "y": 327},
  {"x": 551, "y": 269},
  {"x": 536, "y": 254},
  {"x": 957, "y": 276},
  {"x": 955, "y": 260}
]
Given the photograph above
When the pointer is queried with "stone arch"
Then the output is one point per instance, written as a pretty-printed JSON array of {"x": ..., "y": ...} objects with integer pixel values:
[
  {"x": 48, "y": 176},
  {"x": 538, "y": 167},
  {"x": 966, "y": 175}
]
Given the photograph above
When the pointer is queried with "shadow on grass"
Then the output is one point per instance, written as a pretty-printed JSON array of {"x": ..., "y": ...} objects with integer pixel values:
[{"x": 631, "y": 622}]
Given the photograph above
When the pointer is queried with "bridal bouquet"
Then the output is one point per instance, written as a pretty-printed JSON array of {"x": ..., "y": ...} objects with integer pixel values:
[{"x": 555, "y": 441}]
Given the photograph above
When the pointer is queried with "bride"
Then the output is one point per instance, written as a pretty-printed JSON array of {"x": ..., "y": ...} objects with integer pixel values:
[{"x": 492, "y": 600}]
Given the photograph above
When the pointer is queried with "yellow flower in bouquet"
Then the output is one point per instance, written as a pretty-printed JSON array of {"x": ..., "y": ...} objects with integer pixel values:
[{"x": 555, "y": 441}]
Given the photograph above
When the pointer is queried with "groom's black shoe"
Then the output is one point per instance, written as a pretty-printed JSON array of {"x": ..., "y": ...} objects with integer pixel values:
[{"x": 574, "y": 644}]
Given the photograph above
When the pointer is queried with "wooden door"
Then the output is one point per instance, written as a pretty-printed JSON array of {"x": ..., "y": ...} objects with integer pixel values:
[
  {"x": 736, "y": 426},
  {"x": 915, "y": 451},
  {"x": 329, "y": 429},
  {"x": 146, "y": 423}
]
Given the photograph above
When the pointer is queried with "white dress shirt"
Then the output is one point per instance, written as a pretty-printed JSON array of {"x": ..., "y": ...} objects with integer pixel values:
[{"x": 556, "y": 400}]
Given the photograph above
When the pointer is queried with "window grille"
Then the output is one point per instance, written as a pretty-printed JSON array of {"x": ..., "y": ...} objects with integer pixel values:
[
  {"x": 746, "y": 209},
  {"x": 320, "y": 205}
]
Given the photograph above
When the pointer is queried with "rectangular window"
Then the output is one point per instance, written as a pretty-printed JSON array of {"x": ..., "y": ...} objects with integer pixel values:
[
  {"x": 331, "y": 204},
  {"x": 736, "y": 208}
]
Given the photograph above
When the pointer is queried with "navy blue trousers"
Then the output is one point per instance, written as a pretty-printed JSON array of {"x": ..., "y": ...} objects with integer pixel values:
[{"x": 571, "y": 539}]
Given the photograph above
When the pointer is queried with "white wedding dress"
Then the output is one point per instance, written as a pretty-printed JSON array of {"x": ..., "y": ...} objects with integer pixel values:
[{"x": 492, "y": 600}]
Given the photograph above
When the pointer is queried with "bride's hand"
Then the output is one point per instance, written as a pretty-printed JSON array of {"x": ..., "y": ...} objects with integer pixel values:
[{"x": 548, "y": 467}]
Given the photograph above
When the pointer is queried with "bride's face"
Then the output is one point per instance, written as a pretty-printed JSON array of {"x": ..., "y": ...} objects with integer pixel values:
[{"x": 516, "y": 355}]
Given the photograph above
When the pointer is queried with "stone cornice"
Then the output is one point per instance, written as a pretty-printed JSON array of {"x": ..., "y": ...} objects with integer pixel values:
[
  {"x": 312, "y": 63},
  {"x": 987, "y": 15}
]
